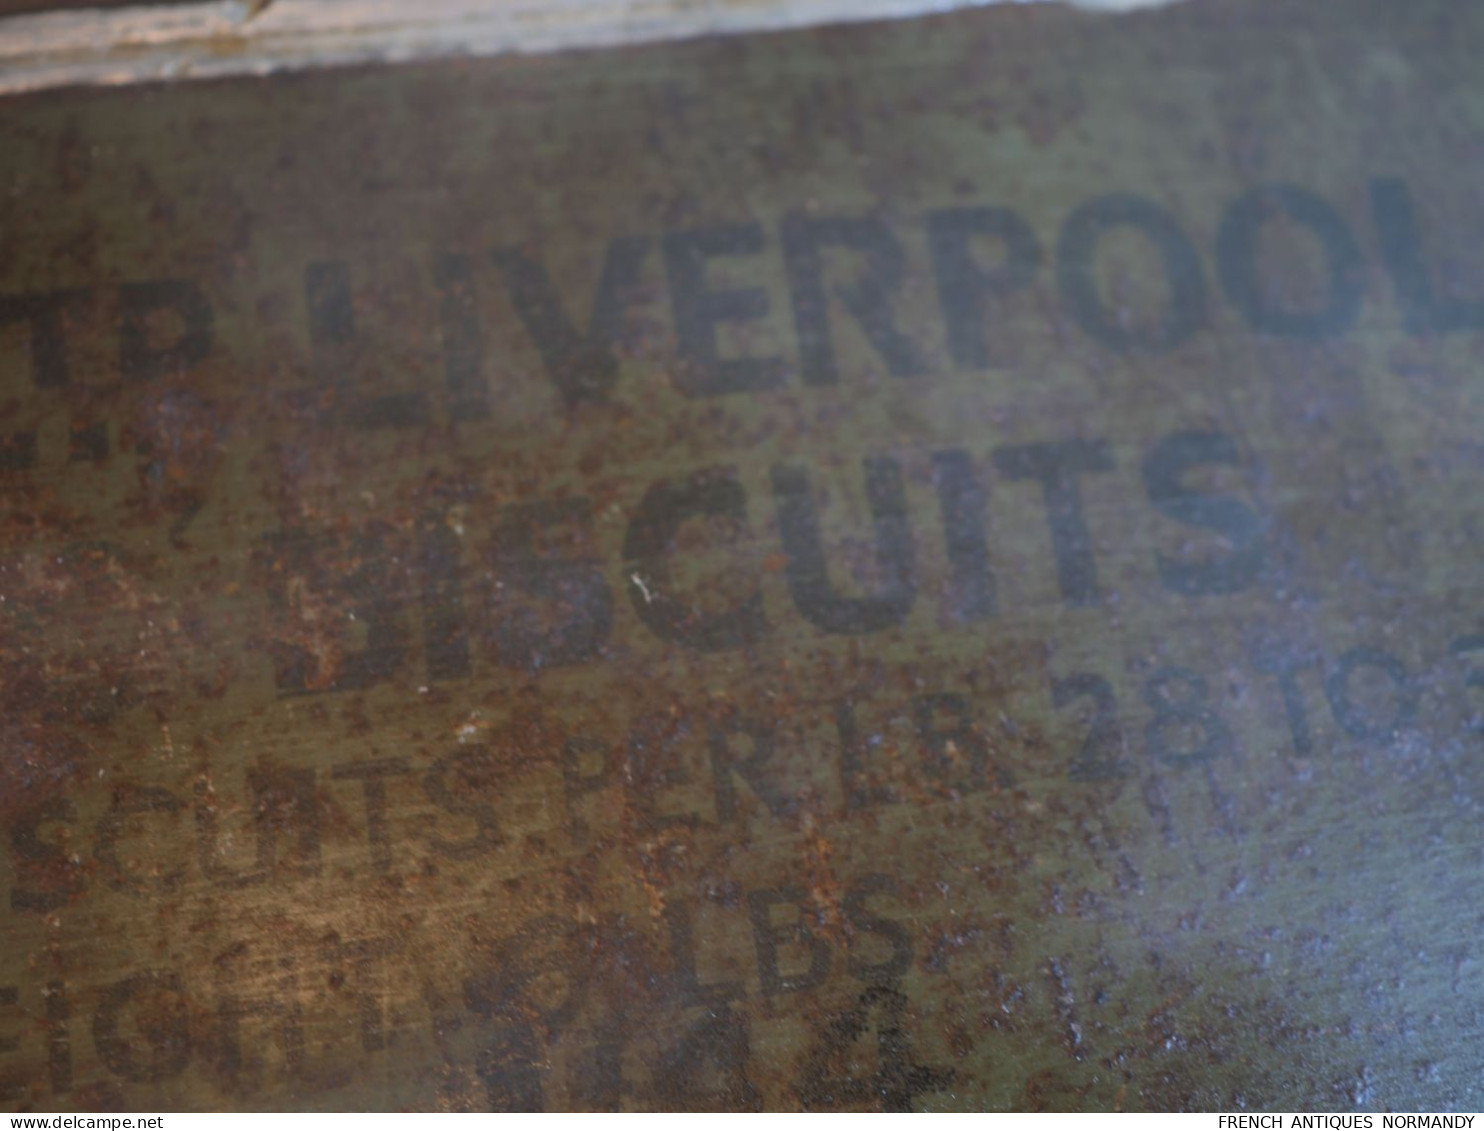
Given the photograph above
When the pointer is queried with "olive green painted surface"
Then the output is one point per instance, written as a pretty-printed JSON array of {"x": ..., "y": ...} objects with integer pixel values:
[{"x": 332, "y": 779}]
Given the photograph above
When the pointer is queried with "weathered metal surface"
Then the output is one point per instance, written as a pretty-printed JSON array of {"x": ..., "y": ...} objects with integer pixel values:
[{"x": 928, "y": 564}]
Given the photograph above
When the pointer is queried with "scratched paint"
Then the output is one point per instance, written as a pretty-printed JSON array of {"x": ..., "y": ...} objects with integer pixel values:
[{"x": 916, "y": 565}]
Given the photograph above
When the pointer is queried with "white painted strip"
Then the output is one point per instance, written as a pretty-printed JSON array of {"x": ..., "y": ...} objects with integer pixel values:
[{"x": 231, "y": 37}]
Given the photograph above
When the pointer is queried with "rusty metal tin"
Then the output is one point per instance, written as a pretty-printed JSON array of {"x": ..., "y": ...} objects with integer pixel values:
[{"x": 920, "y": 565}]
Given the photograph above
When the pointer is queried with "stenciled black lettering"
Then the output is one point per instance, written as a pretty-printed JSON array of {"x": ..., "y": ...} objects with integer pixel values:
[
  {"x": 649, "y": 545},
  {"x": 1258, "y": 295},
  {"x": 1361, "y": 724},
  {"x": 462, "y": 338},
  {"x": 510, "y": 1062},
  {"x": 42, "y": 312},
  {"x": 87, "y": 441},
  {"x": 18, "y": 450},
  {"x": 372, "y": 775},
  {"x": 600, "y": 1085},
  {"x": 869, "y": 297},
  {"x": 285, "y": 806},
  {"x": 460, "y": 783},
  {"x": 578, "y": 753},
  {"x": 1427, "y": 310},
  {"x": 1284, "y": 666},
  {"x": 867, "y": 922},
  {"x": 141, "y": 357},
  {"x": 955, "y": 753},
  {"x": 860, "y": 791},
  {"x": 699, "y": 309},
  {"x": 965, "y": 284},
  {"x": 761, "y": 740},
  {"x": 1077, "y": 279},
  {"x": 42, "y": 862},
  {"x": 831, "y": 1077},
  {"x": 1165, "y": 468},
  {"x": 167, "y": 1038},
  {"x": 271, "y": 997},
  {"x": 807, "y": 569},
  {"x": 510, "y": 1067},
  {"x": 683, "y": 953},
  {"x": 706, "y": 1069},
  {"x": 12, "y": 1087},
  {"x": 768, "y": 937},
  {"x": 654, "y": 764},
  {"x": 343, "y": 572},
  {"x": 1098, "y": 756},
  {"x": 1058, "y": 467},
  {"x": 1178, "y": 698},
  {"x": 361, "y": 957},
  {"x": 572, "y": 616},
  {"x": 445, "y": 622},
  {"x": 330, "y": 308},
  {"x": 961, "y": 502},
  {"x": 58, "y": 1037},
  {"x": 582, "y": 365},
  {"x": 130, "y": 801}
]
